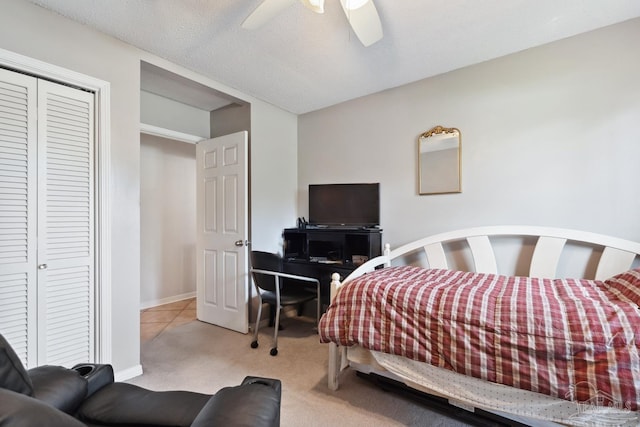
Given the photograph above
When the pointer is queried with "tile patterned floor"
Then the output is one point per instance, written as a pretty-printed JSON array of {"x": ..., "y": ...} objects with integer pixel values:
[{"x": 154, "y": 320}]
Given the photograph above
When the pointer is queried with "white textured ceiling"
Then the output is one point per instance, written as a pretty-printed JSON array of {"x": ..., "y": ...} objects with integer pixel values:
[{"x": 302, "y": 61}]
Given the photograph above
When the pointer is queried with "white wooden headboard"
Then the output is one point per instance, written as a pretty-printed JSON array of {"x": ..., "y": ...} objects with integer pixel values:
[{"x": 617, "y": 255}]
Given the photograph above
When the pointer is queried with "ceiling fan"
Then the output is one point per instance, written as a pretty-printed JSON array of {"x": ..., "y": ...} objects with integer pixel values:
[{"x": 361, "y": 14}]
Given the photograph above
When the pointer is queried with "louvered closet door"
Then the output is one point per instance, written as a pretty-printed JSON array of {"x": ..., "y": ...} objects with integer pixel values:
[
  {"x": 18, "y": 148},
  {"x": 65, "y": 225}
]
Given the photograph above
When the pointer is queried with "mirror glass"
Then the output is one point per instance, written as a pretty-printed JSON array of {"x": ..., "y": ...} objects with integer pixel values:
[{"x": 439, "y": 161}]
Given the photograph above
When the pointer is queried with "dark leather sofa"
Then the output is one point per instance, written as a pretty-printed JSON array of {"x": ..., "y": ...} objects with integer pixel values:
[{"x": 87, "y": 395}]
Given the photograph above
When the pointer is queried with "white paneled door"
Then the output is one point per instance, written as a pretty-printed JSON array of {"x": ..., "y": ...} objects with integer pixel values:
[
  {"x": 222, "y": 221},
  {"x": 46, "y": 220}
]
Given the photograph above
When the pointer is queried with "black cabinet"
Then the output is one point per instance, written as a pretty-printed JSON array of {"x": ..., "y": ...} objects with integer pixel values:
[
  {"x": 348, "y": 247},
  {"x": 320, "y": 252}
]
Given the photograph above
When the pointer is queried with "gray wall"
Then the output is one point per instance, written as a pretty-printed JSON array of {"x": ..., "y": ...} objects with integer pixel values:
[
  {"x": 230, "y": 119},
  {"x": 274, "y": 181},
  {"x": 550, "y": 136},
  {"x": 37, "y": 33}
]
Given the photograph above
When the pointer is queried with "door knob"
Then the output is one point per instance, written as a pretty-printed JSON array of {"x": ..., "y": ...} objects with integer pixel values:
[
  {"x": 241, "y": 243},
  {"x": 42, "y": 267}
]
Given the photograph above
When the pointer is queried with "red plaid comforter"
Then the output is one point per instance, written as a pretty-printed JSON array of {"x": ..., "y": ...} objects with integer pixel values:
[{"x": 572, "y": 339}]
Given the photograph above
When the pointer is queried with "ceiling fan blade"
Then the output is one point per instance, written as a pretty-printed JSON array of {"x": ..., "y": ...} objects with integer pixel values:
[
  {"x": 364, "y": 21},
  {"x": 266, "y": 11}
]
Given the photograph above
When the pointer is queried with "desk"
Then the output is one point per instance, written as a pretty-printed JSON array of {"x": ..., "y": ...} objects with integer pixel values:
[
  {"x": 306, "y": 248},
  {"x": 319, "y": 271}
]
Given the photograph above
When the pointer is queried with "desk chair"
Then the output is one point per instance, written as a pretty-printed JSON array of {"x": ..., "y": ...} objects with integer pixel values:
[{"x": 266, "y": 269}]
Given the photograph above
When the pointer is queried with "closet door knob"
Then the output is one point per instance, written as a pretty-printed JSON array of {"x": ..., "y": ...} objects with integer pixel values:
[{"x": 42, "y": 267}]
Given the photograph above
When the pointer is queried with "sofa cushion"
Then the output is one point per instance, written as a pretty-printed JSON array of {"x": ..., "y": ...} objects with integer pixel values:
[
  {"x": 13, "y": 375},
  {"x": 128, "y": 404},
  {"x": 19, "y": 410},
  {"x": 60, "y": 387}
]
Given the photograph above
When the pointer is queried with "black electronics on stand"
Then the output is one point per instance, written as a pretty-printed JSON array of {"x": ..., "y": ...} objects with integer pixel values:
[{"x": 342, "y": 233}]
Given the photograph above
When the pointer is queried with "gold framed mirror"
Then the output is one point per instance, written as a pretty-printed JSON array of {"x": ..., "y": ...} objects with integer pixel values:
[{"x": 440, "y": 161}]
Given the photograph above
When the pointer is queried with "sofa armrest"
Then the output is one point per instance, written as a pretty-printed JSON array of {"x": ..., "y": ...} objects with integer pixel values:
[
  {"x": 273, "y": 383},
  {"x": 60, "y": 387},
  {"x": 254, "y": 403},
  {"x": 97, "y": 375}
]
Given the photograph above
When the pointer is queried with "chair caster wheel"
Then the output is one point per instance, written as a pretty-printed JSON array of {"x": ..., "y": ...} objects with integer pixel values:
[
  {"x": 274, "y": 351},
  {"x": 254, "y": 344}
]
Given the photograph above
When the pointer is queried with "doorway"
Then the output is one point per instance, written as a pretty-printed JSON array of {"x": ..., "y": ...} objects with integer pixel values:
[{"x": 175, "y": 113}]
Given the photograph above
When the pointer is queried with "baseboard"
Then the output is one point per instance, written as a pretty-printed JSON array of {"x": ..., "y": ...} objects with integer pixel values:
[
  {"x": 168, "y": 300},
  {"x": 128, "y": 373}
]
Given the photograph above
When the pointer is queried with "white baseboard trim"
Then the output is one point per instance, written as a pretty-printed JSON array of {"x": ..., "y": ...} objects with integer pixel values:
[
  {"x": 167, "y": 300},
  {"x": 134, "y": 371}
]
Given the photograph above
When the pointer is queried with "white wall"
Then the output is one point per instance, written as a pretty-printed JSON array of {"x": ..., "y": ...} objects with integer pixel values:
[
  {"x": 35, "y": 32},
  {"x": 549, "y": 137},
  {"x": 166, "y": 113},
  {"x": 167, "y": 220}
]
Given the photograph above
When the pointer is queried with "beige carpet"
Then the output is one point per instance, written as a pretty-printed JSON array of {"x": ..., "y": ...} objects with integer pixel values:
[{"x": 201, "y": 357}]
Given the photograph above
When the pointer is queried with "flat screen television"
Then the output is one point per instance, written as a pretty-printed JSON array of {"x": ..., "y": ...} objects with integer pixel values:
[{"x": 350, "y": 205}]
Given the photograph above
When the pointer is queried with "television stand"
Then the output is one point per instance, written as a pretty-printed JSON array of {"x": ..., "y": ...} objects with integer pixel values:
[
  {"x": 336, "y": 227},
  {"x": 320, "y": 252}
]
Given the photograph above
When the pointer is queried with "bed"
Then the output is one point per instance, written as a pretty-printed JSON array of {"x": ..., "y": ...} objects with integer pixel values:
[{"x": 533, "y": 324}]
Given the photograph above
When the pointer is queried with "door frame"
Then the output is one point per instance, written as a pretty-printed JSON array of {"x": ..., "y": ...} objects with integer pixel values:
[{"x": 102, "y": 208}]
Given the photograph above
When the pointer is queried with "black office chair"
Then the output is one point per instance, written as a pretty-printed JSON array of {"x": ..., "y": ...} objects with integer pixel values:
[{"x": 266, "y": 269}]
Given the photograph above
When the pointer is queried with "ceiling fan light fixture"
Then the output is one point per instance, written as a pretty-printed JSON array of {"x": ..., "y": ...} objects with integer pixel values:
[
  {"x": 315, "y": 5},
  {"x": 355, "y": 4}
]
